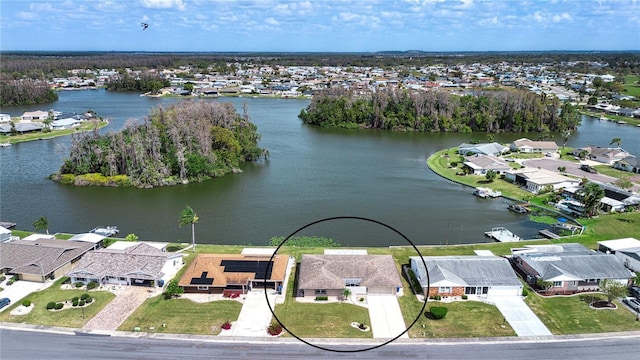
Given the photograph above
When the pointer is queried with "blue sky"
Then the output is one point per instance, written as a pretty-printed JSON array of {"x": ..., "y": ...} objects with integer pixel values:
[{"x": 317, "y": 25}]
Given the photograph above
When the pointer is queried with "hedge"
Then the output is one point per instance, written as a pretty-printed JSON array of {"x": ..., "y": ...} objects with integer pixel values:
[
  {"x": 51, "y": 305},
  {"x": 438, "y": 312},
  {"x": 322, "y": 298}
]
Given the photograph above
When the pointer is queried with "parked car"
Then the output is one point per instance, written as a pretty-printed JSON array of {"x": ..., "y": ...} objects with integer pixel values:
[
  {"x": 632, "y": 303},
  {"x": 4, "y": 302},
  {"x": 588, "y": 168},
  {"x": 635, "y": 292}
]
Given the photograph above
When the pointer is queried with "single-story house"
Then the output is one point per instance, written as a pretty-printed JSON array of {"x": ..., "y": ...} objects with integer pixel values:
[
  {"x": 630, "y": 163},
  {"x": 92, "y": 238},
  {"x": 5, "y": 234},
  {"x": 602, "y": 155},
  {"x": 214, "y": 273},
  {"x": 474, "y": 276},
  {"x": 30, "y": 116},
  {"x": 627, "y": 250},
  {"x": 535, "y": 180},
  {"x": 66, "y": 123},
  {"x": 139, "y": 264},
  {"x": 21, "y": 128},
  {"x": 42, "y": 259},
  {"x": 329, "y": 275},
  {"x": 531, "y": 146},
  {"x": 568, "y": 268},
  {"x": 493, "y": 148},
  {"x": 5, "y": 118},
  {"x": 481, "y": 164}
]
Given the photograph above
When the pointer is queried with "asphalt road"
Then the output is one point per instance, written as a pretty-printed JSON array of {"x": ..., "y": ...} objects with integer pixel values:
[{"x": 18, "y": 344}]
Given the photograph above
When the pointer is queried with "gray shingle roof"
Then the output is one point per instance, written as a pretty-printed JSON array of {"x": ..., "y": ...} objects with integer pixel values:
[
  {"x": 330, "y": 271},
  {"x": 468, "y": 270},
  {"x": 580, "y": 266},
  {"x": 40, "y": 257},
  {"x": 141, "y": 261}
]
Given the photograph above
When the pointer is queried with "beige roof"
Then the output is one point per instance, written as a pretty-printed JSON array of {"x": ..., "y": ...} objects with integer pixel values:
[
  {"x": 40, "y": 257},
  {"x": 330, "y": 271},
  {"x": 524, "y": 142},
  {"x": 211, "y": 264}
]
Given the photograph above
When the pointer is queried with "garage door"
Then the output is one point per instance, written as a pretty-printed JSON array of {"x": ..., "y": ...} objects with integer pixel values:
[{"x": 380, "y": 291}]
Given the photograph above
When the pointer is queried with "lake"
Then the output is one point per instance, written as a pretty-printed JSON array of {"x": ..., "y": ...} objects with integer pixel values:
[{"x": 312, "y": 174}]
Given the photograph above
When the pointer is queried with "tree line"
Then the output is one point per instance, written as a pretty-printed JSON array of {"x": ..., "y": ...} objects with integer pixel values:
[
  {"x": 187, "y": 141},
  {"x": 440, "y": 111},
  {"x": 144, "y": 83},
  {"x": 25, "y": 92}
]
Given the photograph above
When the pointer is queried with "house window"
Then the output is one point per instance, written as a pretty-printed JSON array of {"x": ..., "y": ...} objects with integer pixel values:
[
  {"x": 352, "y": 282},
  {"x": 444, "y": 289},
  {"x": 470, "y": 290},
  {"x": 203, "y": 288},
  {"x": 321, "y": 291},
  {"x": 557, "y": 283},
  {"x": 122, "y": 279},
  {"x": 485, "y": 290}
]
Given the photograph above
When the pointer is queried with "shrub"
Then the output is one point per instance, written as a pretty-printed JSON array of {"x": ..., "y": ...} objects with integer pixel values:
[
  {"x": 438, "y": 312},
  {"x": 59, "y": 306},
  {"x": 51, "y": 305},
  {"x": 26, "y": 303},
  {"x": 75, "y": 301},
  {"x": 435, "y": 297},
  {"x": 92, "y": 285},
  {"x": 361, "y": 299},
  {"x": 88, "y": 300},
  {"x": 525, "y": 292},
  {"x": 322, "y": 298},
  {"x": 2, "y": 278},
  {"x": 226, "y": 325},
  {"x": 79, "y": 284},
  {"x": 10, "y": 281},
  {"x": 84, "y": 296},
  {"x": 81, "y": 303},
  {"x": 464, "y": 297},
  {"x": 75, "y": 298},
  {"x": 274, "y": 329}
]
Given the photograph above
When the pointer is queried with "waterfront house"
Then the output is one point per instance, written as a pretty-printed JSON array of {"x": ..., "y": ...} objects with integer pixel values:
[
  {"x": 479, "y": 164},
  {"x": 40, "y": 259},
  {"x": 493, "y": 148},
  {"x": 139, "y": 264},
  {"x": 216, "y": 273},
  {"x": 602, "y": 155},
  {"x": 568, "y": 268},
  {"x": 5, "y": 118},
  {"x": 5, "y": 234},
  {"x": 474, "y": 276},
  {"x": 629, "y": 163},
  {"x": 30, "y": 116},
  {"x": 530, "y": 146},
  {"x": 535, "y": 180},
  {"x": 330, "y": 274}
]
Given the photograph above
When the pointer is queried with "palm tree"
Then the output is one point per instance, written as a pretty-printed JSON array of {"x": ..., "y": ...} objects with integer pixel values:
[
  {"x": 590, "y": 194},
  {"x": 616, "y": 141},
  {"x": 188, "y": 216},
  {"x": 42, "y": 224}
]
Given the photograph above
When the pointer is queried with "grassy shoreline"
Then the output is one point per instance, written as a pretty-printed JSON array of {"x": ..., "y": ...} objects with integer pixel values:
[{"x": 84, "y": 127}]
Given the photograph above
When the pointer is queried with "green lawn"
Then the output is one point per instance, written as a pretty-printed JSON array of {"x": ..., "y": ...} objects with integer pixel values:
[
  {"x": 85, "y": 126},
  {"x": 631, "y": 86},
  {"x": 464, "y": 319},
  {"x": 318, "y": 320},
  {"x": 72, "y": 317},
  {"x": 182, "y": 316},
  {"x": 572, "y": 315}
]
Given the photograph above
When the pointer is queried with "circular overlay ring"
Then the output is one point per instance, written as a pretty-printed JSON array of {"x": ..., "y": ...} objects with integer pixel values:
[{"x": 345, "y": 350}]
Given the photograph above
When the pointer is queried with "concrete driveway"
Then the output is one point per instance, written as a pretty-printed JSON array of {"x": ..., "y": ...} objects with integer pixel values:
[
  {"x": 523, "y": 321},
  {"x": 20, "y": 289},
  {"x": 255, "y": 315},
  {"x": 386, "y": 317}
]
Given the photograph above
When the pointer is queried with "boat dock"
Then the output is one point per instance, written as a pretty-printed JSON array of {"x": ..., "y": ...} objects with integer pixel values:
[
  {"x": 105, "y": 230},
  {"x": 549, "y": 234},
  {"x": 502, "y": 234},
  {"x": 486, "y": 192}
]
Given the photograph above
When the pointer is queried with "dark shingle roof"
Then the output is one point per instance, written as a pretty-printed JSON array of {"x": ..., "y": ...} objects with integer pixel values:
[{"x": 40, "y": 257}]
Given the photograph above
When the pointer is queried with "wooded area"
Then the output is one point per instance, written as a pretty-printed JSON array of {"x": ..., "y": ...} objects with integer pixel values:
[
  {"x": 188, "y": 141},
  {"x": 441, "y": 111},
  {"x": 25, "y": 92}
]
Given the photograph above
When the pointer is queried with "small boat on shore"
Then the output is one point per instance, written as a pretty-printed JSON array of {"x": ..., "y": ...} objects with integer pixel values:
[
  {"x": 521, "y": 209},
  {"x": 5, "y": 144},
  {"x": 602, "y": 118},
  {"x": 486, "y": 192},
  {"x": 105, "y": 230}
]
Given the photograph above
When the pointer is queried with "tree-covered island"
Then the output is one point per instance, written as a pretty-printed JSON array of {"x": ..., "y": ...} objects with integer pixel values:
[
  {"x": 188, "y": 141},
  {"x": 440, "y": 111}
]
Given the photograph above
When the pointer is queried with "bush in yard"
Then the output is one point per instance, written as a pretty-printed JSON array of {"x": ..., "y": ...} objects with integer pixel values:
[
  {"x": 2, "y": 278},
  {"x": 81, "y": 303},
  {"x": 464, "y": 297},
  {"x": 26, "y": 303},
  {"x": 51, "y": 305},
  {"x": 438, "y": 312},
  {"x": 79, "y": 284},
  {"x": 88, "y": 300},
  {"x": 274, "y": 329},
  {"x": 59, "y": 306},
  {"x": 75, "y": 301},
  {"x": 226, "y": 325},
  {"x": 525, "y": 292},
  {"x": 92, "y": 285},
  {"x": 84, "y": 296},
  {"x": 322, "y": 298},
  {"x": 435, "y": 297},
  {"x": 173, "y": 290}
]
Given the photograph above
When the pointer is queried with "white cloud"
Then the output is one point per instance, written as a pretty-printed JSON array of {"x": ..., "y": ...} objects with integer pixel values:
[
  {"x": 489, "y": 21},
  {"x": 272, "y": 21},
  {"x": 347, "y": 16},
  {"x": 561, "y": 17},
  {"x": 164, "y": 4},
  {"x": 25, "y": 15}
]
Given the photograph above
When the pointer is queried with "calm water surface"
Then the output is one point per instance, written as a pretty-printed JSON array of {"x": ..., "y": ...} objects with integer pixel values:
[{"x": 312, "y": 174}]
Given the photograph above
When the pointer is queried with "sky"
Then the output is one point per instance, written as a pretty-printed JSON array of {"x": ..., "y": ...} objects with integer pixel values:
[{"x": 319, "y": 25}]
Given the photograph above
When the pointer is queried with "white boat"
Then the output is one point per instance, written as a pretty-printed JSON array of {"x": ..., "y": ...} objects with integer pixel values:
[
  {"x": 486, "y": 192},
  {"x": 105, "y": 230},
  {"x": 602, "y": 118},
  {"x": 502, "y": 234},
  {"x": 5, "y": 144}
]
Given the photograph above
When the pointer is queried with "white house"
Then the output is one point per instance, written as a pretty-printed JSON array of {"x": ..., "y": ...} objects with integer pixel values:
[
  {"x": 480, "y": 164},
  {"x": 5, "y": 118},
  {"x": 627, "y": 250},
  {"x": 530, "y": 146},
  {"x": 5, "y": 234},
  {"x": 30, "y": 116},
  {"x": 474, "y": 276},
  {"x": 535, "y": 180},
  {"x": 493, "y": 148}
]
